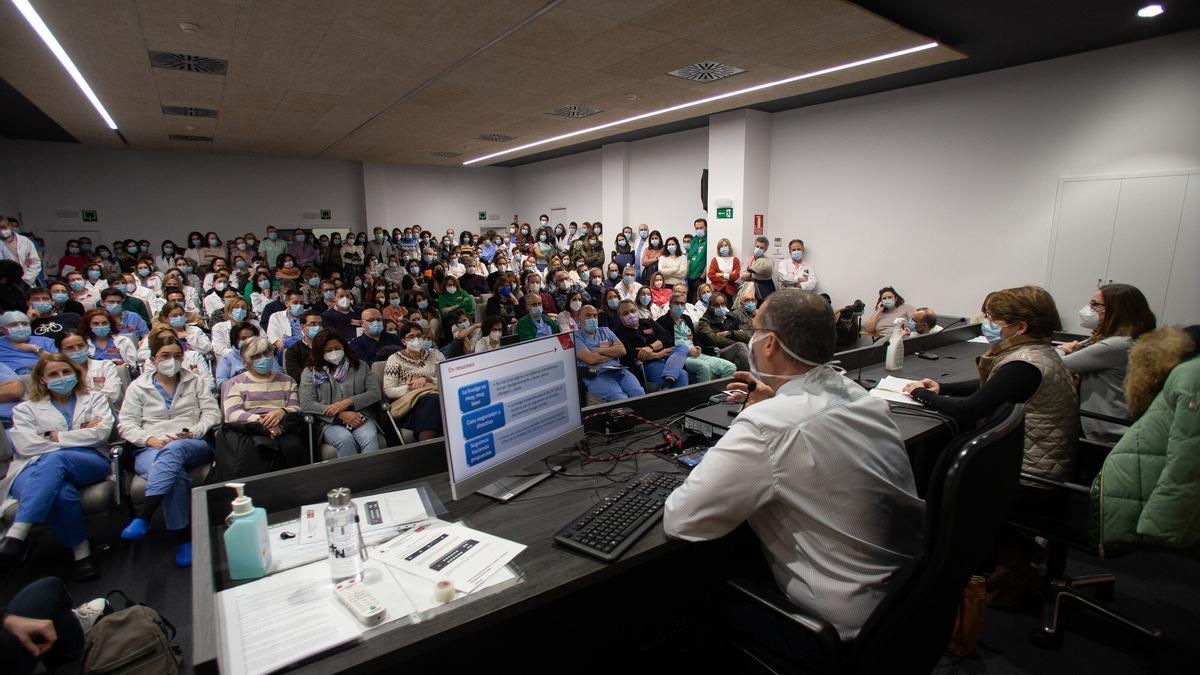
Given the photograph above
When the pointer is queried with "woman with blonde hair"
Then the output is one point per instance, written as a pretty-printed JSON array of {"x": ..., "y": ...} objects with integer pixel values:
[{"x": 58, "y": 436}]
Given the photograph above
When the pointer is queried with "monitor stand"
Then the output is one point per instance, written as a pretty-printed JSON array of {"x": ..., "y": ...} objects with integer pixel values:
[{"x": 512, "y": 485}]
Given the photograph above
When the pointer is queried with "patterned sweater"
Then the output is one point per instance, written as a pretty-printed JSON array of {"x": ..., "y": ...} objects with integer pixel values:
[{"x": 248, "y": 397}]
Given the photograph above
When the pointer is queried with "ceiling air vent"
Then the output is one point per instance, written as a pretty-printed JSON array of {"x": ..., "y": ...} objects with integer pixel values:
[
  {"x": 574, "y": 111},
  {"x": 186, "y": 111},
  {"x": 185, "y": 137},
  {"x": 188, "y": 62},
  {"x": 499, "y": 138},
  {"x": 444, "y": 153},
  {"x": 706, "y": 71}
]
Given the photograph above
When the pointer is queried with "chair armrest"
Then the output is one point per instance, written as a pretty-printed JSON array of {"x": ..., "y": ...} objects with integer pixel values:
[
  {"x": 309, "y": 419},
  {"x": 1104, "y": 418},
  {"x": 781, "y": 606},
  {"x": 115, "y": 452},
  {"x": 1059, "y": 485}
]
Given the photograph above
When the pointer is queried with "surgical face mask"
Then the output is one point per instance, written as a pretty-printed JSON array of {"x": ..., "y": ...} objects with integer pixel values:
[
  {"x": 597, "y": 281},
  {"x": 451, "y": 289},
  {"x": 797, "y": 255},
  {"x": 749, "y": 306},
  {"x": 311, "y": 331},
  {"x": 536, "y": 311},
  {"x": 77, "y": 284},
  {"x": 759, "y": 251},
  {"x": 494, "y": 335},
  {"x": 613, "y": 303},
  {"x": 272, "y": 235},
  {"x": 288, "y": 264},
  {"x": 991, "y": 331},
  {"x": 721, "y": 311},
  {"x": 79, "y": 357},
  {"x": 629, "y": 279},
  {"x": 535, "y": 287},
  {"x": 114, "y": 308},
  {"x": 414, "y": 270},
  {"x": 394, "y": 302},
  {"x": 671, "y": 248},
  {"x": 264, "y": 284},
  {"x": 238, "y": 314},
  {"x": 214, "y": 242},
  {"x": 177, "y": 322},
  {"x": 169, "y": 367},
  {"x": 676, "y": 311},
  {"x": 658, "y": 284},
  {"x": 132, "y": 250},
  {"x": 654, "y": 243},
  {"x": 630, "y": 319},
  {"x": 643, "y": 233},
  {"x": 700, "y": 233},
  {"x": 5, "y": 232},
  {"x": 130, "y": 288},
  {"x": 418, "y": 344},
  {"x": 300, "y": 237},
  {"x": 542, "y": 237},
  {"x": 328, "y": 295},
  {"x": 73, "y": 250},
  {"x": 186, "y": 269},
  {"x": 575, "y": 305},
  {"x": 422, "y": 304},
  {"x": 195, "y": 243},
  {"x": 911, "y": 326},
  {"x": 168, "y": 250},
  {"x": 314, "y": 281},
  {"x": 374, "y": 327},
  {"x": 621, "y": 242},
  {"x": 754, "y": 370},
  {"x": 297, "y": 310},
  {"x": 644, "y": 300},
  {"x": 337, "y": 241},
  {"x": 704, "y": 297},
  {"x": 344, "y": 303},
  {"x": 335, "y": 357},
  {"x": 724, "y": 251},
  {"x": 241, "y": 264},
  {"x": 591, "y": 325},
  {"x": 888, "y": 303},
  {"x": 63, "y": 385},
  {"x": 19, "y": 333},
  {"x": 42, "y": 306},
  {"x": 1088, "y": 318},
  {"x": 142, "y": 271},
  {"x": 264, "y": 364},
  {"x": 93, "y": 274},
  {"x": 463, "y": 325},
  {"x": 101, "y": 331}
]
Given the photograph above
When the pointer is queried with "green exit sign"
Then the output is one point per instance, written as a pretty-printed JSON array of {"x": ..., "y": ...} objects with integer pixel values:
[
  {"x": 89, "y": 215},
  {"x": 483, "y": 215},
  {"x": 725, "y": 212},
  {"x": 326, "y": 214}
]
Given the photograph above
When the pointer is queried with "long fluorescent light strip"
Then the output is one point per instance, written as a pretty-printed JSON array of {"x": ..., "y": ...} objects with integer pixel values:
[
  {"x": 43, "y": 32},
  {"x": 710, "y": 99}
]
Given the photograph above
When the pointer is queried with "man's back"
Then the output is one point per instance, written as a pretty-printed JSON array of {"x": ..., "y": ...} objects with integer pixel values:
[{"x": 822, "y": 476}]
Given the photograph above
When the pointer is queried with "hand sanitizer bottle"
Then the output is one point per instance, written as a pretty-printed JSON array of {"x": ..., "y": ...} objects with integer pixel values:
[
  {"x": 894, "y": 359},
  {"x": 247, "y": 547},
  {"x": 346, "y": 551}
]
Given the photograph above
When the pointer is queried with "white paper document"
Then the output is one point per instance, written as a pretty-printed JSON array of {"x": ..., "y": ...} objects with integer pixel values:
[
  {"x": 439, "y": 550},
  {"x": 981, "y": 340},
  {"x": 892, "y": 389}
]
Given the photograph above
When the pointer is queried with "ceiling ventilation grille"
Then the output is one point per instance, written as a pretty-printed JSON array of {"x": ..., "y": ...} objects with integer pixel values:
[
  {"x": 186, "y": 111},
  {"x": 188, "y": 62},
  {"x": 706, "y": 71},
  {"x": 574, "y": 111},
  {"x": 499, "y": 138},
  {"x": 186, "y": 137},
  {"x": 444, "y": 153}
]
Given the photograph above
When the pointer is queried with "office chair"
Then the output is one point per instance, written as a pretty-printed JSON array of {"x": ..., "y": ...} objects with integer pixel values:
[
  {"x": 969, "y": 495},
  {"x": 403, "y": 435},
  {"x": 1063, "y": 534}
]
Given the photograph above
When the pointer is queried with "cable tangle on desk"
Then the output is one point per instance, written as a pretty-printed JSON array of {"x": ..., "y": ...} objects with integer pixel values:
[{"x": 671, "y": 440}]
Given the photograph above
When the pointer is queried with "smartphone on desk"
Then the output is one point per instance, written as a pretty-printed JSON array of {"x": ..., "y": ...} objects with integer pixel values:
[{"x": 691, "y": 458}]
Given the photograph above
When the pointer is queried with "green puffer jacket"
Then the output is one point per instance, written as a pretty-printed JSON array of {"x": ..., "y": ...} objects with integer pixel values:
[{"x": 1148, "y": 492}]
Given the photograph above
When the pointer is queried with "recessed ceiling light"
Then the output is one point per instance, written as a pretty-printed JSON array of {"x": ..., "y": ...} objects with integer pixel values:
[
  {"x": 1150, "y": 11},
  {"x": 709, "y": 99},
  {"x": 43, "y": 31},
  {"x": 189, "y": 27}
]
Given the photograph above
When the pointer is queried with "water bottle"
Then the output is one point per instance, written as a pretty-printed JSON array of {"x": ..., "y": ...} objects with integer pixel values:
[
  {"x": 346, "y": 551},
  {"x": 894, "y": 358}
]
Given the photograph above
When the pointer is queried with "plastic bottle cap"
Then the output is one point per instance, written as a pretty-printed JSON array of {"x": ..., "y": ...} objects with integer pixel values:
[
  {"x": 338, "y": 496},
  {"x": 242, "y": 504}
]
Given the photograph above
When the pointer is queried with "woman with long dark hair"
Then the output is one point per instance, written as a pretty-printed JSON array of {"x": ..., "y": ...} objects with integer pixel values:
[{"x": 339, "y": 390}]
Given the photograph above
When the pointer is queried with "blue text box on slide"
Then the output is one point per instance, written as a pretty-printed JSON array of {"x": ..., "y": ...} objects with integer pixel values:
[
  {"x": 529, "y": 379},
  {"x": 480, "y": 449},
  {"x": 519, "y": 435},
  {"x": 535, "y": 402},
  {"x": 483, "y": 420},
  {"x": 474, "y": 396}
]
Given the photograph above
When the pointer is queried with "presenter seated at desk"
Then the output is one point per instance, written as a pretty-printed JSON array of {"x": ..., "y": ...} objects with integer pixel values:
[
  {"x": 816, "y": 466},
  {"x": 599, "y": 351},
  {"x": 1020, "y": 366},
  {"x": 58, "y": 439},
  {"x": 889, "y": 306},
  {"x": 410, "y": 383},
  {"x": 922, "y": 322},
  {"x": 165, "y": 416},
  {"x": 535, "y": 323},
  {"x": 338, "y": 388},
  {"x": 663, "y": 366}
]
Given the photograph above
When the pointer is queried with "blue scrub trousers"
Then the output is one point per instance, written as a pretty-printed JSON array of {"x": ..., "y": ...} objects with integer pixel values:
[
  {"x": 166, "y": 474},
  {"x": 616, "y": 385},
  {"x": 349, "y": 443},
  {"x": 672, "y": 366},
  {"x": 48, "y": 489}
]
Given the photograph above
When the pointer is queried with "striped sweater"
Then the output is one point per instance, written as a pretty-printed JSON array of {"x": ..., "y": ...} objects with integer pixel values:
[{"x": 248, "y": 397}]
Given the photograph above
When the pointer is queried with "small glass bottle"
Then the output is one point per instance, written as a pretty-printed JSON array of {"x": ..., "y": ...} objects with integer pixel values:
[{"x": 346, "y": 552}]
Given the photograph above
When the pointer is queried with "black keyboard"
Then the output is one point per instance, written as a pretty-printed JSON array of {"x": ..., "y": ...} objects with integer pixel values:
[{"x": 608, "y": 529}]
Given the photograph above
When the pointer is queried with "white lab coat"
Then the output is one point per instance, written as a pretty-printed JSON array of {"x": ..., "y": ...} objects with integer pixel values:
[
  {"x": 821, "y": 474},
  {"x": 124, "y": 345},
  {"x": 102, "y": 378},
  {"x": 144, "y": 414},
  {"x": 32, "y": 420},
  {"x": 27, "y": 256},
  {"x": 196, "y": 338},
  {"x": 279, "y": 328},
  {"x": 788, "y": 273}
]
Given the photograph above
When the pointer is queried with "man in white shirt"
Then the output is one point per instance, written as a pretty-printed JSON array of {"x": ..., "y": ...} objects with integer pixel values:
[
  {"x": 815, "y": 465},
  {"x": 793, "y": 272},
  {"x": 18, "y": 247}
]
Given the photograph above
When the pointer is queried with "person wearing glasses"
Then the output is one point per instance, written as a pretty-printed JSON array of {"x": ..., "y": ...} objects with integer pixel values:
[
  {"x": 165, "y": 416},
  {"x": 1116, "y": 314}
]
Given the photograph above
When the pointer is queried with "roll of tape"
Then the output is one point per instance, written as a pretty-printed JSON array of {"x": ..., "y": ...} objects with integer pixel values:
[{"x": 443, "y": 591}]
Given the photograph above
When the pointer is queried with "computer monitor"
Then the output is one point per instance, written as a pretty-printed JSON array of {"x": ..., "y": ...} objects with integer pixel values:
[{"x": 506, "y": 409}]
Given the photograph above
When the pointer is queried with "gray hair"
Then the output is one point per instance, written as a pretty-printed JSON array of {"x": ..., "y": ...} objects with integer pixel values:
[
  {"x": 254, "y": 345},
  {"x": 802, "y": 321}
]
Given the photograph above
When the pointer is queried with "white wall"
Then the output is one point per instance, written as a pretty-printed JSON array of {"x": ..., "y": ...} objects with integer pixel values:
[
  {"x": 947, "y": 190},
  {"x": 664, "y": 180},
  {"x": 157, "y": 195},
  {"x": 436, "y": 197},
  {"x": 573, "y": 182}
]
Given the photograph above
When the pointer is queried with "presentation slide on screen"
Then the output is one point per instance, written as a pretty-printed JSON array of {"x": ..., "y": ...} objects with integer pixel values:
[{"x": 500, "y": 403}]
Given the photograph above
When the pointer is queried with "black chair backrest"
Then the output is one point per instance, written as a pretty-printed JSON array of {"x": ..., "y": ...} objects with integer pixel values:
[{"x": 970, "y": 492}]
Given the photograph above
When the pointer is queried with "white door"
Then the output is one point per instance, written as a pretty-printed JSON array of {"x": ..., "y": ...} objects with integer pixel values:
[
  {"x": 1183, "y": 291},
  {"x": 1079, "y": 259},
  {"x": 1143, "y": 241}
]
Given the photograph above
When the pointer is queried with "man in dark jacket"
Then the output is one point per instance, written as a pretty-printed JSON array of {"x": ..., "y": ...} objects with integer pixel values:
[
  {"x": 663, "y": 366},
  {"x": 677, "y": 327},
  {"x": 719, "y": 329}
]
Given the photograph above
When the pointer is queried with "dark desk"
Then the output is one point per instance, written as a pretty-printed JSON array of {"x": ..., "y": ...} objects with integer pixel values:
[{"x": 532, "y": 519}]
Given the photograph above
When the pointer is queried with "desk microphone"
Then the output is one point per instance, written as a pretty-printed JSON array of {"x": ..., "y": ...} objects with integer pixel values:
[
  {"x": 934, "y": 357},
  {"x": 858, "y": 380},
  {"x": 751, "y": 385}
]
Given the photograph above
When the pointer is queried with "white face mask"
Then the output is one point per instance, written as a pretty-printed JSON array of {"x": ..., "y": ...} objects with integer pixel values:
[
  {"x": 344, "y": 303},
  {"x": 760, "y": 374},
  {"x": 575, "y": 305},
  {"x": 1088, "y": 318},
  {"x": 334, "y": 357},
  {"x": 170, "y": 367},
  {"x": 494, "y": 335}
]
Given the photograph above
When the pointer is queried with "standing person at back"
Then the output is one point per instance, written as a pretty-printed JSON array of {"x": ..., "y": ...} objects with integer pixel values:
[
  {"x": 697, "y": 254},
  {"x": 815, "y": 465},
  {"x": 272, "y": 247},
  {"x": 18, "y": 248}
]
